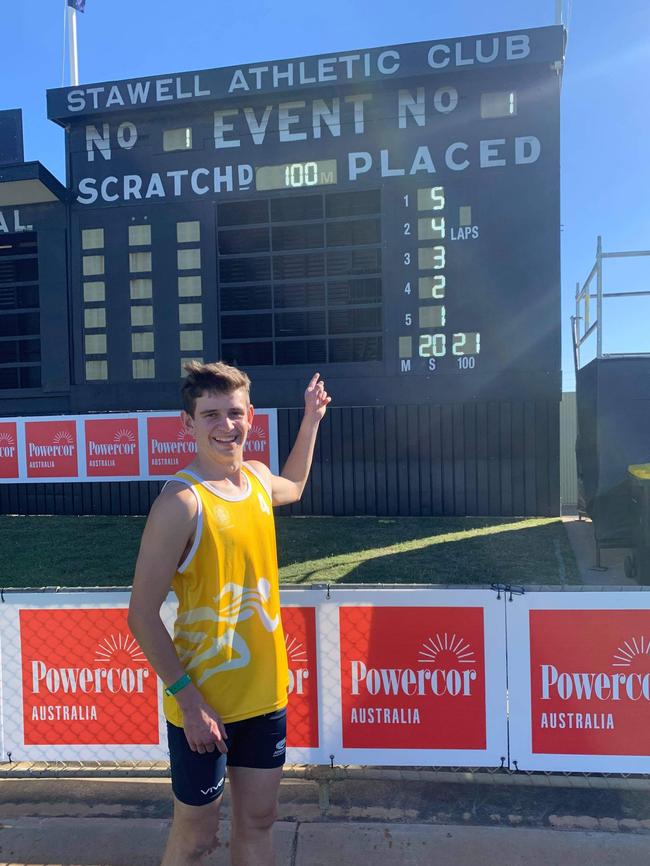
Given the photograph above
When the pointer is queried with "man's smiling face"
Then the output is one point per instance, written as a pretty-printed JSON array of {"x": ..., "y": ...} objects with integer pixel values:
[{"x": 220, "y": 425}]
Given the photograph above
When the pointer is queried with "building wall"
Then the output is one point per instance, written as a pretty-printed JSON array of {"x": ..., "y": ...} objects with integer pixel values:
[{"x": 568, "y": 469}]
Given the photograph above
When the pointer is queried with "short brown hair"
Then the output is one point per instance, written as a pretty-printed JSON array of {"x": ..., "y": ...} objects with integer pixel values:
[{"x": 214, "y": 378}]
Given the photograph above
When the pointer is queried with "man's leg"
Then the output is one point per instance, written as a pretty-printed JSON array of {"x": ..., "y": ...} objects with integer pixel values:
[
  {"x": 193, "y": 833},
  {"x": 254, "y": 797}
]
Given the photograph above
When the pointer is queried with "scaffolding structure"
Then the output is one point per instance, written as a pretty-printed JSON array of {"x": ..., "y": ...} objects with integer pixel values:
[{"x": 583, "y": 324}]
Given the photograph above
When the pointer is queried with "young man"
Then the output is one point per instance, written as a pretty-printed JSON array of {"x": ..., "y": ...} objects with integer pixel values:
[{"x": 210, "y": 535}]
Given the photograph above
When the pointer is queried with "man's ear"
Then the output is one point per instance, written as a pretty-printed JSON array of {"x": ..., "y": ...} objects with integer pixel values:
[
  {"x": 251, "y": 413},
  {"x": 187, "y": 421}
]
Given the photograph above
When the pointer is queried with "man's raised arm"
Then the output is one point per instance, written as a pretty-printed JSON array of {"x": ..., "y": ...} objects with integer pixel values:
[{"x": 288, "y": 486}]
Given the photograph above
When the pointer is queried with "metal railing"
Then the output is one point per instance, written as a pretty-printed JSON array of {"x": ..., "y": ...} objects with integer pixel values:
[{"x": 583, "y": 324}]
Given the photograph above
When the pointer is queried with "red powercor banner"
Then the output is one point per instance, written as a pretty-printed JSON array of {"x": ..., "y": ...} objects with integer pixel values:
[
  {"x": 590, "y": 682},
  {"x": 169, "y": 445},
  {"x": 112, "y": 447},
  {"x": 257, "y": 445},
  {"x": 299, "y": 625},
  {"x": 51, "y": 449},
  {"x": 413, "y": 678},
  {"x": 85, "y": 679},
  {"x": 8, "y": 450}
]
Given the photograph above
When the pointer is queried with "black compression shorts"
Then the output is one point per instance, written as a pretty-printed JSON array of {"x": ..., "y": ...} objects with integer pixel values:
[{"x": 198, "y": 779}]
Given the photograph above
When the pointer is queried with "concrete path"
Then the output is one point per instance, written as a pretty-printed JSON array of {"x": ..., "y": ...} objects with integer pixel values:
[
  {"x": 581, "y": 538},
  {"x": 140, "y": 841},
  {"x": 124, "y": 822}
]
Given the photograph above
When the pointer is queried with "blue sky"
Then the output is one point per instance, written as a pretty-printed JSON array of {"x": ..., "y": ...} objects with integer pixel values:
[{"x": 605, "y": 164}]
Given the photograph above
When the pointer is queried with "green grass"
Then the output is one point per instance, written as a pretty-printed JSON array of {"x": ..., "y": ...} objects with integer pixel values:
[{"x": 101, "y": 551}]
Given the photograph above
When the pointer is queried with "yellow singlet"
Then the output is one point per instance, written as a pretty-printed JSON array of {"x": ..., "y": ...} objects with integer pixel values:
[{"x": 228, "y": 633}]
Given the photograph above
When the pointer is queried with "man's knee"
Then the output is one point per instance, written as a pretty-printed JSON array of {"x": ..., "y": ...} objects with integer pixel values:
[{"x": 257, "y": 819}]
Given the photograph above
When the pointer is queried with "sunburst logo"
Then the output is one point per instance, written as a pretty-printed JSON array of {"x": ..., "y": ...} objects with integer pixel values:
[
  {"x": 629, "y": 650},
  {"x": 295, "y": 651},
  {"x": 454, "y": 645},
  {"x": 7, "y": 440},
  {"x": 124, "y": 436},
  {"x": 183, "y": 434},
  {"x": 120, "y": 648},
  {"x": 257, "y": 432},
  {"x": 63, "y": 437}
]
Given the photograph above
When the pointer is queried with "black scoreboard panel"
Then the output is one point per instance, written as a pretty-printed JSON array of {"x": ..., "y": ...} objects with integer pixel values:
[{"x": 402, "y": 236}]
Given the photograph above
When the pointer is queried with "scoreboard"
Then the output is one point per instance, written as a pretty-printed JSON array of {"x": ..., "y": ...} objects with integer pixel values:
[{"x": 389, "y": 217}]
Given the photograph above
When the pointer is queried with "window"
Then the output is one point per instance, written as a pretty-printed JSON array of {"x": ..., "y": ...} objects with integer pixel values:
[
  {"x": 144, "y": 368},
  {"x": 188, "y": 260},
  {"x": 95, "y": 344},
  {"x": 191, "y": 341},
  {"x": 94, "y": 291},
  {"x": 189, "y": 286},
  {"x": 140, "y": 289},
  {"x": 95, "y": 317},
  {"x": 142, "y": 341},
  {"x": 140, "y": 236},
  {"x": 139, "y": 262},
  {"x": 96, "y": 370},
  {"x": 93, "y": 266},
  {"x": 92, "y": 239},
  {"x": 141, "y": 316},
  {"x": 190, "y": 314},
  {"x": 188, "y": 232}
]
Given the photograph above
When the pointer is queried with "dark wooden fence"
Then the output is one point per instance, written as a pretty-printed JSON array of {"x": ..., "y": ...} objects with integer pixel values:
[{"x": 494, "y": 458}]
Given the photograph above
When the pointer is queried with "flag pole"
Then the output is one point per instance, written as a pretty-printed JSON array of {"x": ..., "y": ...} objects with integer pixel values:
[{"x": 72, "y": 40}]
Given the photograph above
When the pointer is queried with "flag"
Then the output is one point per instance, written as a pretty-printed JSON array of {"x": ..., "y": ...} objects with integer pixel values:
[{"x": 78, "y": 5}]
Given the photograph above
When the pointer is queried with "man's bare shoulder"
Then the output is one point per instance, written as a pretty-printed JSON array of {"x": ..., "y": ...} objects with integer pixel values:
[
  {"x": 260, "y": 469},
  {"x": 174, "y": 503},
  {"x": 263, "y": 473}
]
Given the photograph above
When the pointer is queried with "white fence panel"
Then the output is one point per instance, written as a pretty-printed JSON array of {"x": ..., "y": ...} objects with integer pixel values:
[{"x": 579, "y": 681}]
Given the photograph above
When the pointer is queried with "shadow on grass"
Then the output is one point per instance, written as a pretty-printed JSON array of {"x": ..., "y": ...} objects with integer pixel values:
[
  {"x": 513, "y": 552},
  {"x": 304, "y": 538}
]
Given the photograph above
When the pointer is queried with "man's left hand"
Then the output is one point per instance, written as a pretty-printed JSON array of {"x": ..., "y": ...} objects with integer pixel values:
[{"x": 316, "y": 398}]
